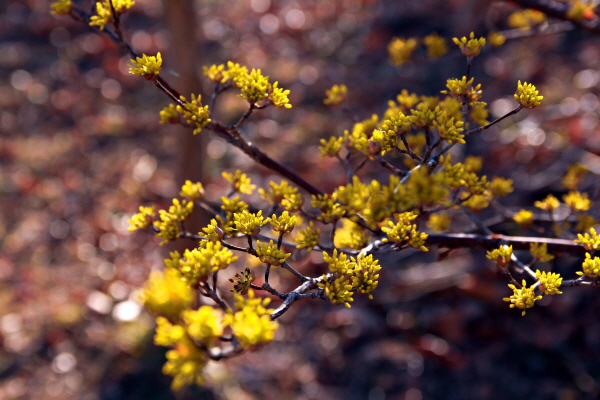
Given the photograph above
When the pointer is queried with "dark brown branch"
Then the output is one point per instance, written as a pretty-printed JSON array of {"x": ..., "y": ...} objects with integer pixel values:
[
  {"x": 463, "y": 240},
  {"x": 559, "y": 10}
]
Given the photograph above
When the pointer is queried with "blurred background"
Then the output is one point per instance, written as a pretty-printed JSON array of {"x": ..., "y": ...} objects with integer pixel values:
[{"x": 81, "y": 149}]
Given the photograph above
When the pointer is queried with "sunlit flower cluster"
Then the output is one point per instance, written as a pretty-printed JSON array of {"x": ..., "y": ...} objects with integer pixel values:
[
  {"x": 470, "y": 47},
  {"x": 146, "y": 66},
  {"x": 194, "y": 112},
  {"x": 527, "y": 95},
  {"x": 436, "y": 45},
  {"x": 590, "y": 241},
  {"x": 251, "y": 324},
  {"x": 501, "y": 255},
  {"x": 400, "y": 50},
  {"x": 522, "y": 298},
  {"x": 61, "y": 7},
  {"x": 336, "y": 95},
  {"x": 104, "y": 11},
  {"x": 549, "y": 282}
]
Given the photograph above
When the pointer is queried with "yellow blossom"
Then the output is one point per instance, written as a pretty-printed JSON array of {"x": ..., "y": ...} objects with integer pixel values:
[
  {"x": 550, "y": 203},
  {"x": 470, "y": 47},
  {"x": 142, "y": 219},
  {"x": 169, "y": 115},
  {"x": 61, "y": 7},
  {"x": 549, "y": 282},
  {"x": 192, "y": 191},
  {"x": 501, "y": 186},
  {"x": 251, "y": 324},
  {"x": 204, "y": 325},
  {"x": 146, "y": 66},
  {"x": 522, "y": 298},
  {"x": 253, "y": 86},
  {"x": 527, "y": 95},
  {"x": 339, "y": 291},
  {"x": 496, "y": 39},
  {"x": 501, "y": 255},
  {"x": 240, "y": 182},
  {"x": 523, "y": 218},
  {"x": 249, "y": 223},
  {"x": 308, "y": 238},
  {"x": 194, "y": 112},
  {"x": 104, "y": 11},
  {"x": 400, "y": 50},
  {"x": 243, "y": 281},
  {"x": 525, "y": 19},
  {"x": 284, "y": 223},
  {"x": 331, "y": 147},
  {"x": 590, "y": 241},
  {"x": 335, "y": 95},
  {"x": 577, "y": 201},
  {"x": 439, "y": 222},
  {"x": 590, "y": 266},
  {"x": 166, "y": 294},
  {"x": 279, "y": 97},
  {"x": 185, "y": 364},
  {"x": 436, "y": 45},
  {"x": 540, "y": 251},
  {"x": 270, "y": 254}
]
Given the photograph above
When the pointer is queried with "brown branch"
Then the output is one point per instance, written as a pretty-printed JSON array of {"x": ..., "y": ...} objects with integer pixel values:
[
  {"x": 462, "y": 240},
  {"x": 559, "y": 10}
]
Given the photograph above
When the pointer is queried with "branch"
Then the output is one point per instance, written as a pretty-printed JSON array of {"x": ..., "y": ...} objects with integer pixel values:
[
  {"x": 462, "y": 240},
  {"x": 559, "y": 10}
]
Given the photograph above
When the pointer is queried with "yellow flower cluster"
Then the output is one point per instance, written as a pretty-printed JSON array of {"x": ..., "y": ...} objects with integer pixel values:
[
  {"x": 574, "y": 175},
  {"x": 61, "y": 7},
  {"x": 350, "y": 275},
  {"x": 146, "y": 66},
  {"x": 331, "y": 147},
  {"x": 192, "y": 191},
  {"x": 549, "y": 282},
  {"x": 249, "y": 223},
  {"x": 579, "y": 10},
  {"x": 169, "y": 115},
  {"x": 350, "y": 236},
  {"x": 540, "y": 252},
  {"x": 242, "y": 281},
  {"x": 501, "y": 255},
  {"x": 590, "y": 266},
  {"x": 405, "y": 231},
  {"x": 449, "y": 129},
  {"x": 218, "y": 73},
  {"x": 212, "y": 231},
  {"x": 165, "y": 294},
  {"x": 142, "y": 219},
  {"x": 527, "y": 95},
  {"x": 496, "y": 39},
  {"x": 308, "y": 238},
  {"x": 198, "y": 263},
  {"x": 251, "y": 324},
  {"x": 525, "y": 19},
  {"x": 400, "y": 50},
  {"x": 439, "y": 222},
  {"x": 231, "y": 207},
  {"x": 523, "y": 218},
  {"x": 590, "y": 241},
  {"x": 105, "y": 14},
  {"x": 270, "y": 254},
  {"x": 240, "y": 182},
  {"x": 550, "y": 203},
  {"x": 436, "y": 45},
  {"x": 470, "y": 47},
  {"x": 168, "y": 224},
  {"x": 254, "y": 87},
  {"x": 284, "y": 223},
  {"x": 276, "y": 193},
  {"x": 194, "y": 112},
  {"x": 336, "y": 95},
  {"x": 577, "y": 201},
  {"x": 279, "y": 96},
  {"x": 522, "y": 298}
]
